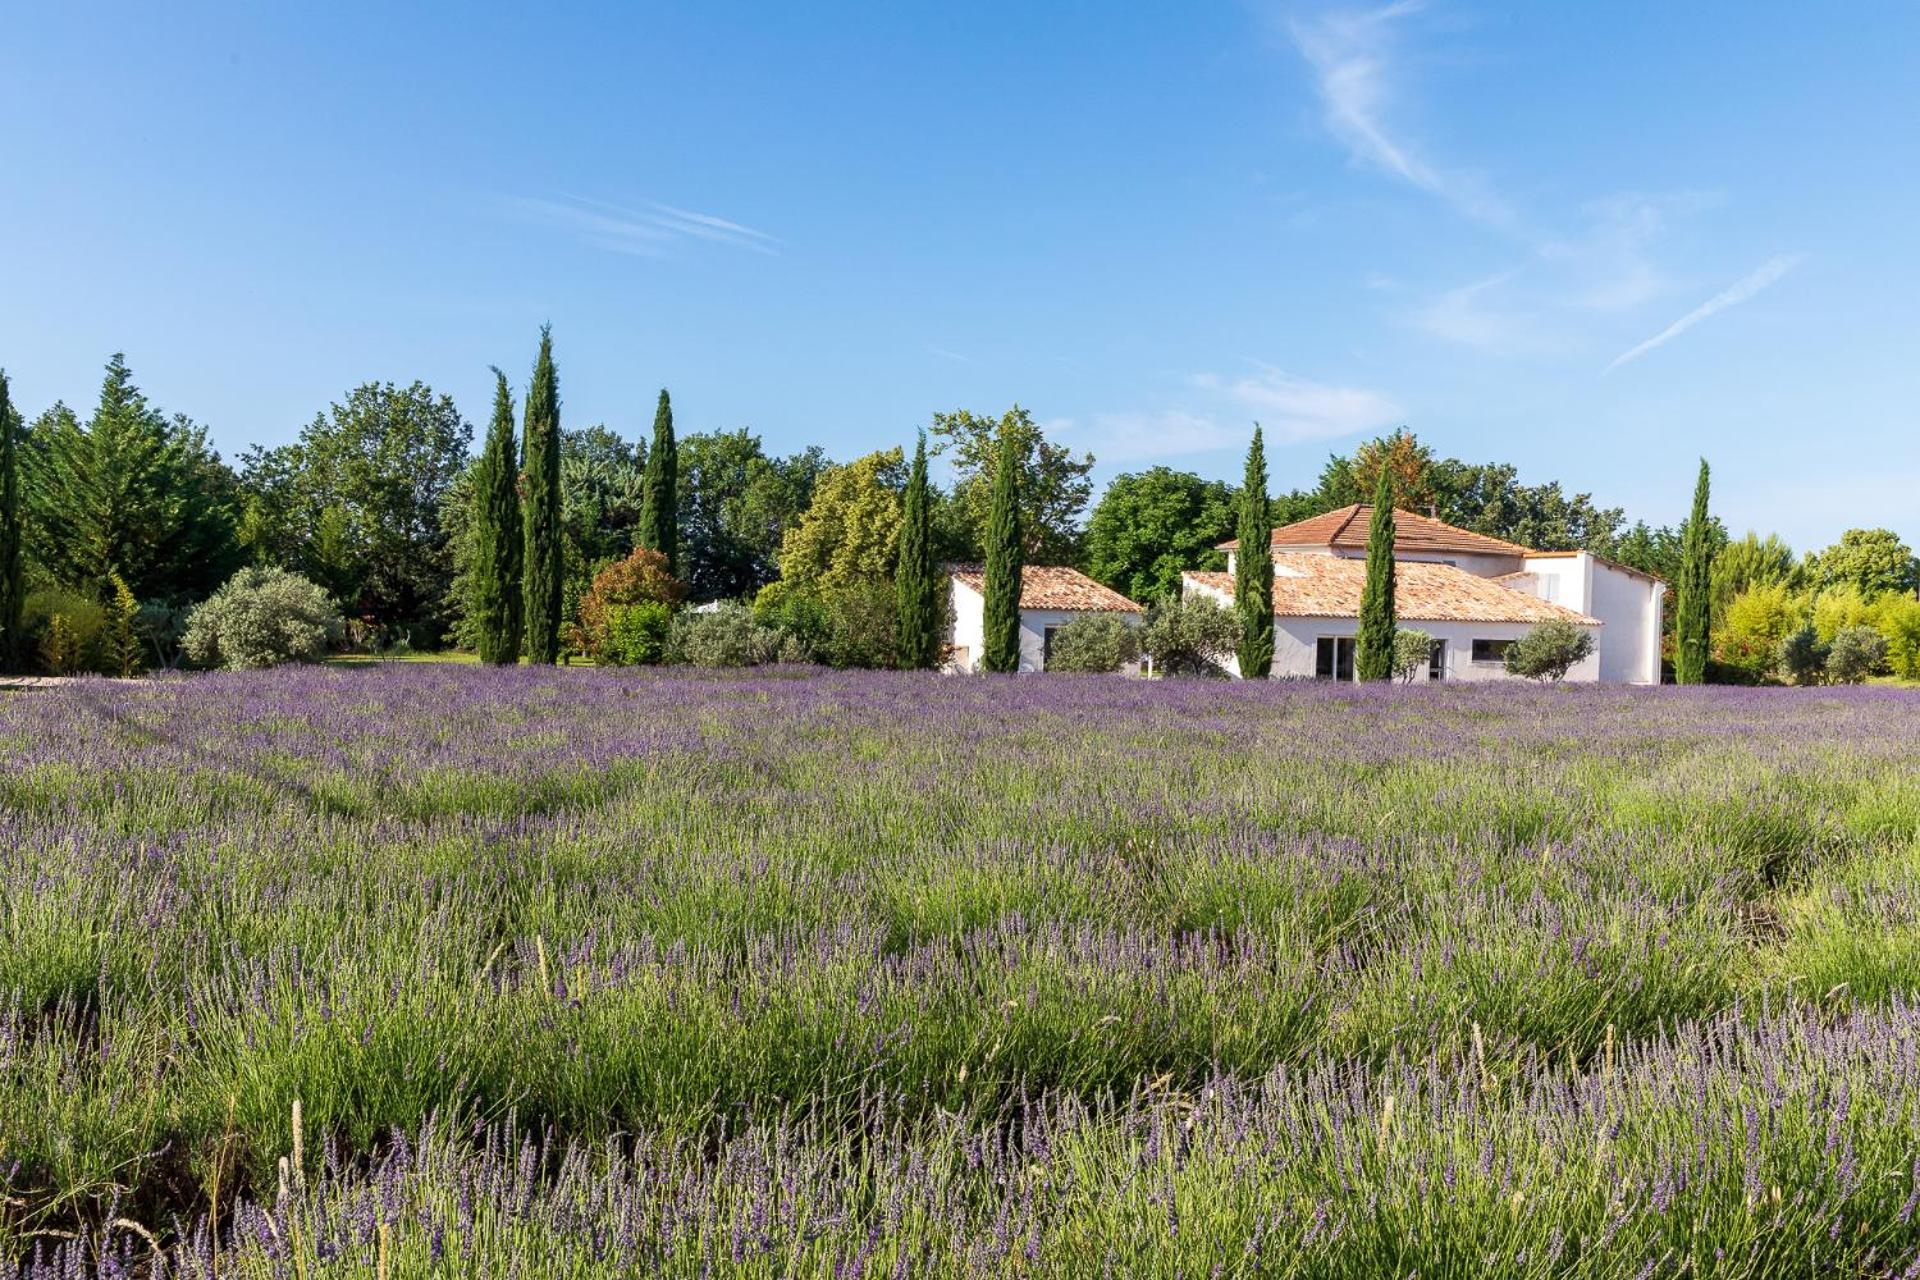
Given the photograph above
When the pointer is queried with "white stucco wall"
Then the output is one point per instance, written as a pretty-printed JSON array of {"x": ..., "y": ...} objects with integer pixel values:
[
  {"x": 1628, "y": 604},
  {"x": 1296, "y": 642},
  {"x": 969, "y": 628}
]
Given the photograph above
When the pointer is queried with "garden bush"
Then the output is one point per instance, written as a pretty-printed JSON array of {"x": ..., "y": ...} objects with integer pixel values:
[
  {"x": 1093, "y": 644},
  {"x": 262, "y": 618},
  {"x": 1190, "y": 637},
  {"x": 1856, "y": 653},
  {"x": 1802, "y": 658},
  {"x": 626, "y": 613},
  {"x": 1550, "y": 650},
  {"x": 1412, "y": 654},
  {"x": 729, "y": 636},
  {"x": 66, "y": 629}
]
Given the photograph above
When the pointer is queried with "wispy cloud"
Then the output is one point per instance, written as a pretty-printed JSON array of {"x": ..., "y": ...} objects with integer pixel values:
[
  {"x": 947, "y": 354},
  {"x": 1293, "y": 409},
  {"x": 650, "y": 231},
  {"x": 1145, "y": 436},
  {"x": 1351, "y": 54},
  {"x": 1741, "y": 291}
]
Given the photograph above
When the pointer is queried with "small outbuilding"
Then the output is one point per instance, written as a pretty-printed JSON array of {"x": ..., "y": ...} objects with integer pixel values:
[{"x": 1050, "y": 597}]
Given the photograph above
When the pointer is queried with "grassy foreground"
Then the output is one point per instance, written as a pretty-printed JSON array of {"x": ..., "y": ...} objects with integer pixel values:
[{"x": 437, "y": 970}]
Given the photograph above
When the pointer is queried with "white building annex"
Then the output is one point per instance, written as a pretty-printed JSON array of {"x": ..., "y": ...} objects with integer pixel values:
[
  {"x": 1050, "y": 597},
  {"x": 1473, "y": 594}
]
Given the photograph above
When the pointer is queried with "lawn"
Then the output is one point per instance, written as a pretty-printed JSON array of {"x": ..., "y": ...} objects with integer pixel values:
[{"x": 420, "y": 969}]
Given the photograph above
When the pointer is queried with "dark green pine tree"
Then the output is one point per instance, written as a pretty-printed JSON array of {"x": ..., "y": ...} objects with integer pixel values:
[
  {"x": 12, "y": 526},
  {"x": 660, "y": 489},
  {"x": 916, "y": 578},
  {"x": 1000, "y": 646},
  {"x": 1373, "y": 649},
  {"x": 1692, "y": 620},
  {"x": 542, "y": 508},
  {"x": 498, "y": 537},
  {"x": 1253, "y": 566}
]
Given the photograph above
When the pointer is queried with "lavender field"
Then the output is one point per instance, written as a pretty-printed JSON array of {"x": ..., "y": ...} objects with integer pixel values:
[{"x": 437, "y": 970}]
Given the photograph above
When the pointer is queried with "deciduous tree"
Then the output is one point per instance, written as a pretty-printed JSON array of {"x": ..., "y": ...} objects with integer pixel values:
[
  {"x": 1150, "y": 526},
  {"x": 1053, "y": 483}
]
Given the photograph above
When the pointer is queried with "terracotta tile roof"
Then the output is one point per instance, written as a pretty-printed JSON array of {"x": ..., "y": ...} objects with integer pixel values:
[
  {"x": 1316, "y": 586},
  {"x": 1054, "y": 587},
  {"x": 1346, "y": 530}
]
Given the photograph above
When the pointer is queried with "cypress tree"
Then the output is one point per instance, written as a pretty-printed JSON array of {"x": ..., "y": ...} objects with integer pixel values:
[
  {"x": 1000, "y": 646},
  {"x": 1373, "y": 649},
  {"x": 1692, "y": 622},
  {"x": 495, "y": 598},
  {"x": 1253, "y": 566},
  {"x": 542, "y": 508},
  {"x": 659, "y": 495},
  {"x": 12, "y": 526},
  {"x": 916, "y": 577}
]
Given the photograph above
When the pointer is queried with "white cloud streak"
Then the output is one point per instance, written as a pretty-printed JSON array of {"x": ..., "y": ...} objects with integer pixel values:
[
  {"x": 1292, "y": 409},
  {"x": 649, "y": 232},
  {"x": 1351, "y": 57},
  {"x": 1741, "y": 291}
]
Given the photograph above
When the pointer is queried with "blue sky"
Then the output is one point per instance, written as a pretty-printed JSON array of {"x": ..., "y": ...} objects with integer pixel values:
[{"x": 1593, "y": 240}]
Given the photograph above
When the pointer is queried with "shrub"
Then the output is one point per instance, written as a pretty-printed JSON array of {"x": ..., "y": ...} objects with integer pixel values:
[
  {"x": 625, "y": 614},
  {"x": 82, "y": 623},
  {"x": 799, "y": 616},
  {"x": 1802, "y": 658},
  {"x": 636, "y": 635},
  {"x": 1550, "y": 650},
  {"x": 1898, "y": 619},
  {"x": 1837, "y": 608},
  {"x": 861, "y": 625},
  {"x": 121, "y": 641},
  {"x": 729, "y": 636},
  {"x": 1855, "y": 654},
  {"x": 1412, "y": 654},
  {"x": 1095, "y": 643},
  {"x": 261, "y": 618},
  {"x": 1191, "y": 637},
  {"x": 1757, "y": 620}
]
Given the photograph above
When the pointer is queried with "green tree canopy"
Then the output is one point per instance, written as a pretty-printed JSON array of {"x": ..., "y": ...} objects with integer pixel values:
[
  {"x": 1693, "y": 621},
  {"x": 1151, "y": 525},
  {"x": 850, "y": 534},
  {"x": 543, "y": 563},
  {"x": 736, "y": 505},
  {"x": 1874, "y": 560},
  {"x": 134, "y": 492},
  {"x": 1053, "y": 483},
  {"x": 355, "y": 504},
  {"x": 1751, "y": 562}
]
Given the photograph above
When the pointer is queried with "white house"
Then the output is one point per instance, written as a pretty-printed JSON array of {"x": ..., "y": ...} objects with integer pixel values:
[
  {"x": 1473, "y": 594},
  {"x": 1050, "y": 597}
]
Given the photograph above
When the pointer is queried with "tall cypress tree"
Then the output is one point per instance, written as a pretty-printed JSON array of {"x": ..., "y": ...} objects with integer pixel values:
[
  {"x": 660, "y": 490},
  {"x": 12, "y": 526},
  {"x": 916, "y": 577},
  {"x": 498, "y": 537},
  {"x": 1373, "y": 649},
  {"x": 542, "y": 508},
  {"x": 1000, "y": 646},
  {"x": 1253, "y": 566},
  {"x": 1693, "y": 618}
]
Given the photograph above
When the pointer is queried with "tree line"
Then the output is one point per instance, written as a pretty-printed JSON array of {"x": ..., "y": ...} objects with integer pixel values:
[{"x": 555, "y": 540}]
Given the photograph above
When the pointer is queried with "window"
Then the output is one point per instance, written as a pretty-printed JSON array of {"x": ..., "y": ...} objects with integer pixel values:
[
  {"x": 1333, "y": 658},
  {"x": 1491, "y": 651},
  {"x": 1046, "y": 647},
  {"x": 1437, "y": 661}
]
